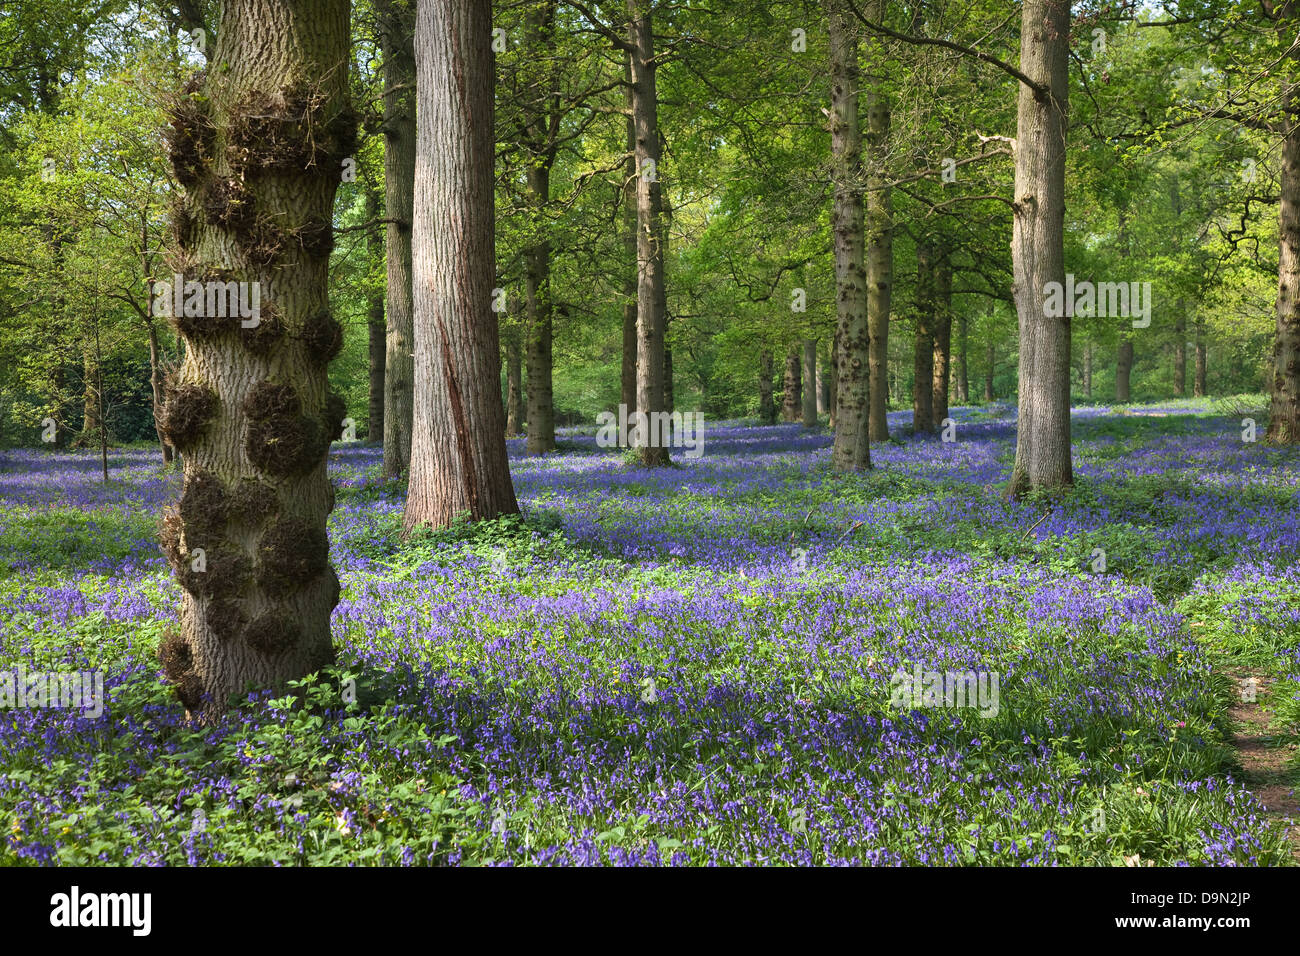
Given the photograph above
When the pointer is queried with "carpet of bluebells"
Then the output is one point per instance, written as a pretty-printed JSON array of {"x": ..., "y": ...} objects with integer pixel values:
[{"x": 690, "y": 665}]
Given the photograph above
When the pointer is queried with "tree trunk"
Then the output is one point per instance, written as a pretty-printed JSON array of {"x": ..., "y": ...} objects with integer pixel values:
[
  {"x": 99, "y": 392},
  {"x": 823, "y": 384},
  {"x": 90, "y": 418},
  {"x": 1087, "y": 370},
  {"x": 963, "y": 361},
  {"x": 458, "y": 454},
  {"x": 250, "y": 408},
  {"x": 537, "y": 285},
  {"x": 630, "y": 251},
  {"x": 156, "y": 385},
  {"x": 651, "y": 300},
  {"x": 833, "y": 377},
  {"x": 851, "y": 451},
  {"x": 1180, "y": 351},
  {"x": 879, "y": 246},
  {"x": 990, "y": 356},
  {"x": 1123, "y": 369},
  {"x": 377, "y": 329},
  {"x": 1038, "y": 252},
  {"x": 514, "y": 381},
  {"x": 397, "y": 29},
  {"x": 766, "y": 407},
  {"x": 791, "y": 394},
  {"x": 1200, "y": 383},
  {"x": 541, "y": 118},
  {"x": 1284, "y": 383},
  {"x": 942, "y": 338},
  {"x": 808, "y": 378},
  {"x": 923, "y": 352},
  {"x": 668, "y": 380}
]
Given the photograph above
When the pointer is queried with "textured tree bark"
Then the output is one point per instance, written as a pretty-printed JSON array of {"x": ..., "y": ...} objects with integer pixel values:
[
  {"x": 851, "y": 451},
  {"x": 880, "y": 246},
  {"x": 260, "y": 155},
  {"x": 791, "y": 388},
  {"x": 766, "y": 407},
  {"x": 376, "y": 328},
  {"x": 1038, "y": 252},
  {"x": 809, "y": 380},
  {"x": 1200, "y": 385},
  {"x": 651, "y": 310},
  {"x": 923, "y": 350},
  {"x": 458, "y": 453},
  {"x": 1284, "y": 383},
  {"x": 1123, "y": 370},
  {"x": 396, "y": 29},
  {"x": 1180, "y": 351},
  {"x": 942, "y": 338}
]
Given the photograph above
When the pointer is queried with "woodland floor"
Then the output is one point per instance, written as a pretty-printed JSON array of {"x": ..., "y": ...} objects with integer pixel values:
[{"x": 696, "y": 664}]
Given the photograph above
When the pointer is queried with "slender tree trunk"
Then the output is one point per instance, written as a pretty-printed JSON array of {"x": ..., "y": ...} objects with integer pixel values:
[
  {"x": 514, "y": 381},
  {"x": 1087, "y": 370},
  {"x": 99, "y": 390},
  {"x": 791, "y": 394},
  {"x": 458, "y": 456},
  {"x": 766, "y": 407},
  {"x": 879, "y": 245},
  {"x": 89, "y": 399},
  {"x": 156, "y": 385},
  {"x": 1180, "y": 351},
  {"x": 963, "y": 359},
  {"x": 942, "y": 338},
  {"x": 923, "y": 352},
  {"x": 809, "y": 379},
  {"x": 1200, "y": 382},
  {"x": 834, "y": 377},
  {"x": 541, "y": 120},
  {"x": 1123, "y": 369},
  {"x": 651, "y": 308},
  {"x": 397, "y": 29},
  {"x": 250, "y": 408},
  {"x": 823, "y": 386},
  {"x": 990, "y": 355},
  {"x": 630, "y": 251},
  {"x": 537, "y": 282},
  {"x": 668, "y": 380},
  {"x": 1284, "y": 383},
  {"x": 377, "y": 329},
  {"x": 851, "y": 451},
  {"x": 1038, "y": 250}
]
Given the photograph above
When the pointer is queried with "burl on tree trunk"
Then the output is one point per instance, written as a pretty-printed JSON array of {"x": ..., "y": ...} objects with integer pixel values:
[{"x": 259, "y": 147}]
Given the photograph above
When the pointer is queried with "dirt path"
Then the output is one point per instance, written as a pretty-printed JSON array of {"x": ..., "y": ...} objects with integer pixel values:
[{"x": 1265, "y": 755}]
